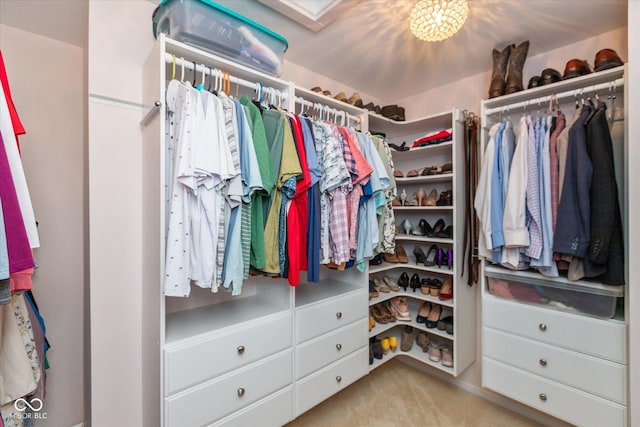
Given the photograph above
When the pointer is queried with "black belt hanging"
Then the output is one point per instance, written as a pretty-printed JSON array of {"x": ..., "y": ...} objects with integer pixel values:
[{"x": 470, "y": 236}]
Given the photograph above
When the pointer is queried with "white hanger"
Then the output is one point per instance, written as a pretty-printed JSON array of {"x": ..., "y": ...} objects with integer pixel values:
[
  {"x": 203, "y": 76},
  {"x": 181, "y": 69}
]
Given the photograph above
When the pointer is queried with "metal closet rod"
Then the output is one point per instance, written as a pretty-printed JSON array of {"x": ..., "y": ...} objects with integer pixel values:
[
  {"x": 325, "y": 109},
  {"x": 542, "y": 100},
  {"x": 199, "y": 68}
]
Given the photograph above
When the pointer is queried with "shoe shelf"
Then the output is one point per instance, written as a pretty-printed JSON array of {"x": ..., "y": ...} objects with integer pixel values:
[
  {"x": 415, "y": 352},
  {"x": 423, "y": 152},
  {"x": 379, "y": 123},
  {"x": 443, "y": 177},
  {"x": 423, "y": 239},
  {"x": 422, "y": 208},
  {"x": 380, "y": 329},
  {"x": 384, "y": 296},
  {"x": 385, "y": 266}
]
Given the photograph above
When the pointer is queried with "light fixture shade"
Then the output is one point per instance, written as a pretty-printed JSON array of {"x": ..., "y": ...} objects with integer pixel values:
[{"x": 434, "y": 20}]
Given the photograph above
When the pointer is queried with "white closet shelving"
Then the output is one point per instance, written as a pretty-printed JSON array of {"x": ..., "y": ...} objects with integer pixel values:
[
  {"x": 567, "y": 362},
  {"x": 262, "y": 357},
  {"x": 463, "y": 305}
]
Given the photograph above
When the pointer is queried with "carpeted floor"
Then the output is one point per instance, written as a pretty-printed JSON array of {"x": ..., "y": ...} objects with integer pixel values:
[{"x": 397, "y": 395}]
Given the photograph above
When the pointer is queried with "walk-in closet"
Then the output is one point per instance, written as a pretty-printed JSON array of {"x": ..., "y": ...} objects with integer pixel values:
[{"x": 292, "y": 213}]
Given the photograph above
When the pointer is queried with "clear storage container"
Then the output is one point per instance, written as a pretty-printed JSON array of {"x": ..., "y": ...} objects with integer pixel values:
[
  {"x": 581, "y": 297},
  {"x": 211, "y": 27}
]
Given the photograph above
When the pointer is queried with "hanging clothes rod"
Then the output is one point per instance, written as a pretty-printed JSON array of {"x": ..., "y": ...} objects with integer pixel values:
[
  {"x": 151, "y": 114},
  {"x": 542, "y": 100},
  {"x": 325, "y": 110},
  {"x": 207, "y": 71}
]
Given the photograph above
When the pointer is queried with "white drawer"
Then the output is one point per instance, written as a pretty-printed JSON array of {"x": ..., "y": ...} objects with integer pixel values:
[
  {"x": 210, "y": 401},
  {"x": 568, "y": 367},
  {"x": 600, "y": 338},
  {"x": 325, "y": 383},
  {"x": 326, "y": 349},
  {"x": 316, "y": 319},
  {"x": 273, "y": 411},
  {"x": 563, "y": 402},
  {"x": 210, "y": 355}
]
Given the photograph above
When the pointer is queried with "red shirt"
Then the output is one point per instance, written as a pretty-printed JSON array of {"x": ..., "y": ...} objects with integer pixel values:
[
  {"x": 18, "y": 129},
  {"x": 298, "y": 212}
]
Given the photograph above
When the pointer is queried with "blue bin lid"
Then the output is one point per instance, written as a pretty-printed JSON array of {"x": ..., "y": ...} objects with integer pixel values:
[{"x": 223, "y": 9}]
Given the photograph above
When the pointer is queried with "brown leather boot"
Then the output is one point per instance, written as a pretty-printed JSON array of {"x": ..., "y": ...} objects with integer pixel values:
[
  {"x": 516, "y": 63},
  {"x": 500, "y": 61}
]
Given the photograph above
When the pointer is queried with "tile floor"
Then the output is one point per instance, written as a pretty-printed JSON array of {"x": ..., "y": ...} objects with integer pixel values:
[{"x": 398, "y": 395}]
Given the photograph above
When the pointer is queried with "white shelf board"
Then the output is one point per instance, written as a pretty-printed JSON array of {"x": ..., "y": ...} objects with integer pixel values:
[
  {"x": 309, "y": 293},
  {"x": 189, "y": 323}
]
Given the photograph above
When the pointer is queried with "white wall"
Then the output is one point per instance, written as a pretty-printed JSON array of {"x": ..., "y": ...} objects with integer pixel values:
[
  {"x": 306, "y": 78},
  {"x": 47, "y": 85},
  {"x": 467, "y": 93}
]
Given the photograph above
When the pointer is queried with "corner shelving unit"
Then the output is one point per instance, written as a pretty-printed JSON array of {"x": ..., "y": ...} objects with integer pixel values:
[{"x": 463, "y": 305}]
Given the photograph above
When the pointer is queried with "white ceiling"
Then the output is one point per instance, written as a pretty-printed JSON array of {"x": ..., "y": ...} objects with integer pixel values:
[{"x": 369, "y": 47}]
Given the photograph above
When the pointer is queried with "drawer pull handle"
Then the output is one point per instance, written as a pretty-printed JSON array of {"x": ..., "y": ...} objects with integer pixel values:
[
  {"x": 240, "y": 392},
  {"x": 339, "y": 347},
  {"x": 542, "y": 327},
  {"x": 543, "y": 362},
  {"x": 339, "y": 315},
  {"x": 543, "y": 397},
  {"x": 240, "y": 349},
  {"x": 339, "y": 378}
]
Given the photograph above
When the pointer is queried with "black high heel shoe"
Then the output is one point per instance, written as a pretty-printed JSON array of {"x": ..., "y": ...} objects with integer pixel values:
[
  {"x": 425, "y": 227},
  {"x": 415, "y": 282},
  {"x": 447, "y": 233},
  {"x": 432, "y": 256},
  {"x": 403, "y": 281},
  {"x": 438, "y": 228},
  {"x": 419, "y": 254}
]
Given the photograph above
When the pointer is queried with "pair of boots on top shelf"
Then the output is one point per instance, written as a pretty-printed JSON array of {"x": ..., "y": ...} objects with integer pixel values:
[{"x": 507, "y": 69}]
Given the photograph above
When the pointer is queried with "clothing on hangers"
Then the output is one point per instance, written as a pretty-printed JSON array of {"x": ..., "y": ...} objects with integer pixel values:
[
  {"x": 549, "y": 201},
  {"x": 235, "y": 169}
]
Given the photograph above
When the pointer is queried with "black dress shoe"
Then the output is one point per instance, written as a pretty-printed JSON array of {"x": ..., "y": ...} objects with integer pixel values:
[
  {"x": 425, "y": 227},
  {"x": 415, "y": 282},
  {"x": 438, "y": 228},
  {"x": 419, "y": 254},
  {"x": 401, "y": 147},
  {"x": 403, "y": 281},
  {"x": 376, "y": 260}
]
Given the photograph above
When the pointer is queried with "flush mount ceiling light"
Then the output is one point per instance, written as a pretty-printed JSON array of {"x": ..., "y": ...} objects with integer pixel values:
[{"x": 435, "y": 20}]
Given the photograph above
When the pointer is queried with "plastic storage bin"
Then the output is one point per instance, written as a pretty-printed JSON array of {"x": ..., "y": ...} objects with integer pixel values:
[
  {"x": 587, "y": 298},
  {"x": 216, "y": 29}
]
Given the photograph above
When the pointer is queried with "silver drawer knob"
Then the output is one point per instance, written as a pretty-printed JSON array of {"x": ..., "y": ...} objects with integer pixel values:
[
  {"x": 240, "y": 349},
  {"x": 542, "y": 327},
  {"x": 543, "y": 397},
  {"x": 543, "y": 362},
  {"x": 338, "y": 378},
  {"x": 339, "y": 347},
  {"x": 339, "y": 315},
  {"x": 240, "y": 392}
]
